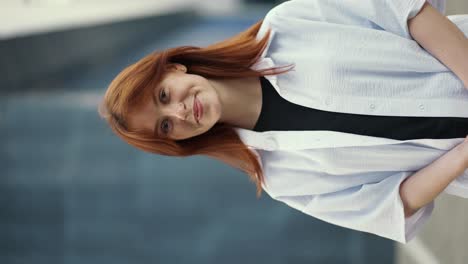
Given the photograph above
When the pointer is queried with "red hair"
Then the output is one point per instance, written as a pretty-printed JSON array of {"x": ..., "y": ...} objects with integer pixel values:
[{"x": 231, "y": 58}]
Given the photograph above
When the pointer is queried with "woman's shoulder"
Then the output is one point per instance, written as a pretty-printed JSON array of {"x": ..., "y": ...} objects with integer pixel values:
[
  {"x": 293, "y": 11},
  {"x": 269, "y": 20},
  {"x": 279, "y": 9}
]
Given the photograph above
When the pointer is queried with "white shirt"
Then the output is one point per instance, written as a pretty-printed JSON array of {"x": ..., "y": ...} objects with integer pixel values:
[{"x": 354, "y": 56}]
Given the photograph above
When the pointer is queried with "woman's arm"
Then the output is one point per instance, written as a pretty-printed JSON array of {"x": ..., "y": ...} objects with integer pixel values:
[
  {"x": 425, "y": 185},
  {"x": 442, "y": 38}
]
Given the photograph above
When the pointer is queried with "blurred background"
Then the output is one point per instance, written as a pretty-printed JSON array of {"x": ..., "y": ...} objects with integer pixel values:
[{"x": 72, "y": 192}]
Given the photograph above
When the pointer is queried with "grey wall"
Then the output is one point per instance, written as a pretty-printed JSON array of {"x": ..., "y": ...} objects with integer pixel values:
[{"x": 26, "y": 60}]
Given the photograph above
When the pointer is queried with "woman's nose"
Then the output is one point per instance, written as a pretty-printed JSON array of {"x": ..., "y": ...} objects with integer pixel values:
[{"x": 180, "y": 110}]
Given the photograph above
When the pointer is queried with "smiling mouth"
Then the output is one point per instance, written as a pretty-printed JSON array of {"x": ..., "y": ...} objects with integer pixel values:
[
  {"x": 198, "y": 109},
  {"x": 195, "y": 109}
]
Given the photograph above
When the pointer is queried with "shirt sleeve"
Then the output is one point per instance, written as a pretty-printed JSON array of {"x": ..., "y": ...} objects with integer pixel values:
[
  {"x": 374, "y": 208},
  {"x": 387, "y": 15},
  {"x": 439, "y": 5}
]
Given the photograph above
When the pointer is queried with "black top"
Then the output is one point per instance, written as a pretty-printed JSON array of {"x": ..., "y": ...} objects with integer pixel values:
[{"x": 279, "y": 114}]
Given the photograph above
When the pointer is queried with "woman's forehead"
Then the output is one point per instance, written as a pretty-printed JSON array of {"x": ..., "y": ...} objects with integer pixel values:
[{"x": 143, "y": 116}]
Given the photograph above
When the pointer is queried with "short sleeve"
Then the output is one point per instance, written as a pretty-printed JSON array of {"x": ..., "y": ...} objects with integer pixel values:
[
  {"x": 439, "y": 5},
  {"x": 374, "y": 208},
  {"x": 387, "y": 15}
]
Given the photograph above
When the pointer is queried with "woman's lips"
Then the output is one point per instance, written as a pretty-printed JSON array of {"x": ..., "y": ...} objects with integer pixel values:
[
  {"x": 197, "y": 109},
  {"x": 194, "y": 109}
]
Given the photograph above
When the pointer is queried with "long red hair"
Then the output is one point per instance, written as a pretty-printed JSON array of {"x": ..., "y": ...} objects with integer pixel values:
[{"x": 231, "y": 58}]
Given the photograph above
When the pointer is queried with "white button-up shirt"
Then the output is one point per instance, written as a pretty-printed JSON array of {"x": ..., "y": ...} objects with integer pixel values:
[{"x": 355, "y": 56}]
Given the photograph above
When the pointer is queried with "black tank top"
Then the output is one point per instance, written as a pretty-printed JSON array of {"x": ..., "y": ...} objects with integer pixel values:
[{"x": 279, "y": 114}]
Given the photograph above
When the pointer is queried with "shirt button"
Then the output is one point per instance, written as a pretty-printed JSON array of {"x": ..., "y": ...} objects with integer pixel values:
[
  {"x": 421, "y": 106},
  {"x": 328, "y": 101},
  {"x": 372, "y": 106}
]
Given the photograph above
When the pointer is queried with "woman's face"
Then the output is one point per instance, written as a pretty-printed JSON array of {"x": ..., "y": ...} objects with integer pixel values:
[{"x": 171, "y": 113}]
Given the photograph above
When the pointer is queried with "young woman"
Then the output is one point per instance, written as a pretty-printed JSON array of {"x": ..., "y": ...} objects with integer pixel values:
[{"x": 354, "y": 112}]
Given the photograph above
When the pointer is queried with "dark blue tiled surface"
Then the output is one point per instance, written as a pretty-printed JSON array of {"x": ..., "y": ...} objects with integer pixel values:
[{"x": 71, "y": 192}]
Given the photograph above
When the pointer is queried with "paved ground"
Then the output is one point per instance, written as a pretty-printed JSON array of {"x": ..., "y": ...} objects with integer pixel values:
[
  {"x": 444, "y": 238},
  {"x": 456, "y": 7}
]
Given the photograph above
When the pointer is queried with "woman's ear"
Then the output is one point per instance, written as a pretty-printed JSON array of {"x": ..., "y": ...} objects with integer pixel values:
[{"x": 177, "y": 67}]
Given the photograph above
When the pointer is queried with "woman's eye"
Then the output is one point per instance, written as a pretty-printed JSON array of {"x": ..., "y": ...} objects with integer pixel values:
[
  {"x": 163, "y": 95},
  {"x": 165, "y": 126}
]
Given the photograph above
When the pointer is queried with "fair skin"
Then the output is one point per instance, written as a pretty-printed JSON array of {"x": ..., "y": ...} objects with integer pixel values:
[
  {"x": 425, "y": 185},
  {"x": 235, "y": 101},
  {"x": 444, "y": 40}
]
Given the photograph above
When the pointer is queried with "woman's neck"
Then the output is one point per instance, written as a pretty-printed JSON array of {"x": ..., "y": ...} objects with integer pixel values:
[{"x": 241, "y": 101}]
